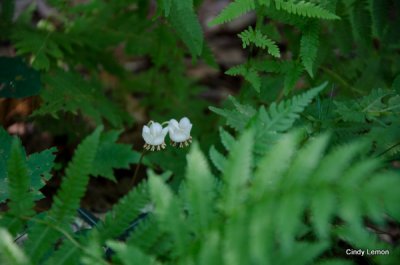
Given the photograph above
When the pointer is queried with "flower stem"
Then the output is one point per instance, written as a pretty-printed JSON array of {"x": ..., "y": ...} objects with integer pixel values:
[{"x": 137, "y": 167}]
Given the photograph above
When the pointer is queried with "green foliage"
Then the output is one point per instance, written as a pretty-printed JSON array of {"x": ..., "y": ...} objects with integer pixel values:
[
  {"x": 304, "y": 171},
  {"x": 309, "y": 46},
  {"x": 289, "y": 181},
  {"x": 184, "y": 20},
  {"x": 251, "y": 36},
  {"x": 233, "y": 10},
  {"x": 268, "y": 123},
  {"x": 69, "y": 92},
  {"x": 303, "y": 8},
  {"x": 38, "y": 166},
  {"x": 250, "y": 74},
  {"x": 21, "y": 200},
  {"x": 67, "y": 199},
  {"x": 112, "y": 155}
]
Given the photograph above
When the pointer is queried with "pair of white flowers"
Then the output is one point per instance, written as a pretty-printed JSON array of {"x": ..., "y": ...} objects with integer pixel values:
[{"x": 179, "y": 133}]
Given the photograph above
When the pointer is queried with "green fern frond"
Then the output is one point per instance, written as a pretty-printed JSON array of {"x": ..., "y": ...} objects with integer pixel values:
[
  {"x": 280, "y": 117},
  {"x": 149, "y": 238},
  {"x": 70, "y": 92},
  {"x": 260, "y": 40},
  {"x": 114, "y": 225},
  {"x": 185, "y": 22},
  {"x": 249, "y": 74},
  {"x": 303, "y": 8},
  {"x": 237, "y": 118},
  {"x": 169, "y": 214},
  {"x": 293, "y": 73},
  {"x": 237, "y": 172},
  {"x": 226, "y": 139},
  {"x": 122, "y": 214},
  {"x": 199, "y": 191},
  {"x": 112, "y": 155},
  {"x": 360, "y": 20},
  {"x": 67, "y": 200},
  {"x": 217, "y": 158},
  {"x": 379, "y": 103},
  {"x": 21, "y": 199},
  {"x": 233, "y": 10},
  {"x": 126, "y": 254},
  {"x": 309, "y": 46},
  {"x": 44, "y": 46},
  {"x": 40, "y": 165}
]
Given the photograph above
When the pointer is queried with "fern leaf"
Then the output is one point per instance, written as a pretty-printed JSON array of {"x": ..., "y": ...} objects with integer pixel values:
[
  {"x": 281, "y": 117},
  {"x": 217, "y": 159},
  {"x": 122, "y": 214},
  {"x": 293, "y": 73},
  {"x": 226, "y": 138},
  {"x": 130, "y": 255},
  {"x": 67, "y": 200},
  {"x": 360, "y": 20},
  {"x": 168, "y": 213},
  {"x": 111, "y": 155},
  {"x": 260, "y": 40},
  {"x": 237, "y": 172},
  {"x": 82, "y": 95},
  {"x": 184, "y": 20},
  {"x": 306, "y": 9},
  {"x": 21, "y": 200},
  {"x": 40, "y": 165},
  {"x": 249, "y": 73},
  {"x": 273, "y": 165},
  {"x": 309, "y": 46},
  {"x": 233, "y": 10},
  {"x": 149, "y": 238},
  {"x": 10, "y": 253},
  {"x": 238, "y": 118},
  {"x": 199, "y": 190}
]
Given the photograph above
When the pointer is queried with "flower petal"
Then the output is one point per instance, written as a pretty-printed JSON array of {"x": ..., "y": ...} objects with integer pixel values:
[
  {"x": 146, "y": 134},
  {"x": 184, "y": 122},
  {"x": 155, "y": 128}
]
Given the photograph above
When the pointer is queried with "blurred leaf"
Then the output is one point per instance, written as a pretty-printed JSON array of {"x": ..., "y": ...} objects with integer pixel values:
[
  {"x": 40, "y": 165},
  {"x": 187, "y": 25},
  {"x": 111, "y": 155}
]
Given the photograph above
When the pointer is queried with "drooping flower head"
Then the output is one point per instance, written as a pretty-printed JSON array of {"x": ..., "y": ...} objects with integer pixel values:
[
  {"x": 154, "y": 136},
  {"x": 179, "y": 132}
]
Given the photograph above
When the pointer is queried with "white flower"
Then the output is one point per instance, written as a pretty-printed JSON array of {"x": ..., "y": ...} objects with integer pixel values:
[
  {"x": 180, "y": 132},
  {"x": 154, "y": 136}
]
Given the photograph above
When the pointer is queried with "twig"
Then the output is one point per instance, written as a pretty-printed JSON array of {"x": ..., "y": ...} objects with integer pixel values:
[{"x": 138, "y": 167}]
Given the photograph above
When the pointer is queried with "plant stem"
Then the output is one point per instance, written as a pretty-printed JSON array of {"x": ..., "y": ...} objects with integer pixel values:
[
  {"x": 340, "y": 80},
  {"x": 387, "y": 150},
  {"x": 137, "y": 167}
]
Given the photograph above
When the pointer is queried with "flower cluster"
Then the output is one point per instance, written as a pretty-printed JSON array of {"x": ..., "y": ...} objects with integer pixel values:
[{"x": 179, "y": 133}]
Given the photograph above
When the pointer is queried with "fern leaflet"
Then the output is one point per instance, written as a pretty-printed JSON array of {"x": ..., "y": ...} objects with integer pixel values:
[
  {"x": 67, "y": 200},
  {"x": 233, "y": 10},
  {"x": 260, "y": 40},
  {"x": 21, "y": 200},
  {"x": 309, "y": 46}
]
